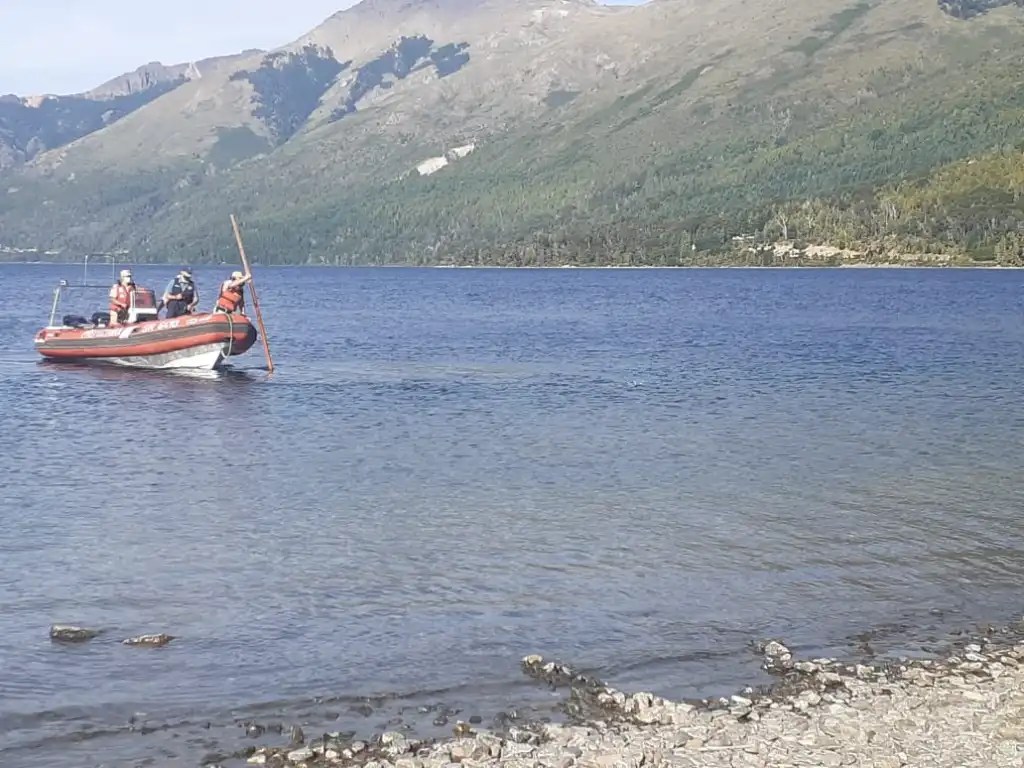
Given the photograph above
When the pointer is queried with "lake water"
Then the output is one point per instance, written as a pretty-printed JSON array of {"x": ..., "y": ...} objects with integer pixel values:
[{"x": 636, "y": 471}]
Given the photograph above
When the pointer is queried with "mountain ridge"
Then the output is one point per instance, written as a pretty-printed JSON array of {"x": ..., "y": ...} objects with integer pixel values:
[
  {"x": 33, "y": 125},
  {"x": 154, "y": 72}
]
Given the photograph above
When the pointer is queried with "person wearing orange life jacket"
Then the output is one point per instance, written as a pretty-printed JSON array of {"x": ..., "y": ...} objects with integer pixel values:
[
  {"x": 121, "y": 297},
  {"x": 232, "y": 294}
]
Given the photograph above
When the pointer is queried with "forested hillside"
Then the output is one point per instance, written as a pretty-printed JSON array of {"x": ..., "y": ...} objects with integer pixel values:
[{"x": 672, "y": 133}]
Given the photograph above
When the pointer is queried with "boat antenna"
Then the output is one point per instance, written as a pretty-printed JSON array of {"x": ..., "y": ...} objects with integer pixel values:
[{"x": 252, "y": 289}]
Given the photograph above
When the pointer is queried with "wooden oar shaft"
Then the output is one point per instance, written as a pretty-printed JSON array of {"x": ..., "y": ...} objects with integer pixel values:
[{"x": 252, "y": 290}]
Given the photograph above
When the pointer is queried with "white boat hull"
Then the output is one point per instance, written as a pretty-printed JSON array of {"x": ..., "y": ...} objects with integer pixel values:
[{"x": 206, "y": 358}]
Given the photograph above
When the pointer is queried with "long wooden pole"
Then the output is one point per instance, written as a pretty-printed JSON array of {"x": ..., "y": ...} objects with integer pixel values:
[{"x": 255, "y": 298}]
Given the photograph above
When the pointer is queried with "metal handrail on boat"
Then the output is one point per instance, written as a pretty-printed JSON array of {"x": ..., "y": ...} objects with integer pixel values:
[
  {"x": 56, "y": 300},
  {"x": 58, "y": 291},
  {"x": 64, "y": 284}
]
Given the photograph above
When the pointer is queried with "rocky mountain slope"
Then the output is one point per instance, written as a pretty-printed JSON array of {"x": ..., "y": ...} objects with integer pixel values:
[
  {"x": 535, "y": 131},
  {"x": 32, "y": 125}
]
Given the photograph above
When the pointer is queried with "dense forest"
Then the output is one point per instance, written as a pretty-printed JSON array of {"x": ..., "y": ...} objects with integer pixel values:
[{"x": 969, "y": 211}]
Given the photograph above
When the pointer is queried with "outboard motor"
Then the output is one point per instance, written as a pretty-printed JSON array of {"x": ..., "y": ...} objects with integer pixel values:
[{"x": 75, "y": 321}]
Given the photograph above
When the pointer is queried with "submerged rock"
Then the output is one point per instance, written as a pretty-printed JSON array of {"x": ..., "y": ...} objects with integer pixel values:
[
  {"x": 777, "y": 657},
  {"x": 69, "y": 633},
  {"x": 149, "y": 641}
]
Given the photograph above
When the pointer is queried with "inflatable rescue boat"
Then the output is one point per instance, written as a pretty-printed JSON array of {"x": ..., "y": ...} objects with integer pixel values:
[{"x": 201, "y": 341}]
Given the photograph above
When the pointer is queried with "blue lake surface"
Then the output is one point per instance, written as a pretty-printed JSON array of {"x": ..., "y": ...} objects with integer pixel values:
[{"x": 636, "y": 471}]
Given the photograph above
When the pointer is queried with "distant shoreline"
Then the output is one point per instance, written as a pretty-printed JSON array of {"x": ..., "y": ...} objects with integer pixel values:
[{"x": 789, "y": 268}]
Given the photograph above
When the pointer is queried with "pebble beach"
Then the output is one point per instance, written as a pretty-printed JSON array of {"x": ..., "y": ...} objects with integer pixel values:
[{"x": 964, "y": 710}]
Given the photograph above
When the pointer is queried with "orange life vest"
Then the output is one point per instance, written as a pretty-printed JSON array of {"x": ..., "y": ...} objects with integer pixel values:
[
  {"x": 230, "y": 297},
  {"x": 120, "y": 298}
]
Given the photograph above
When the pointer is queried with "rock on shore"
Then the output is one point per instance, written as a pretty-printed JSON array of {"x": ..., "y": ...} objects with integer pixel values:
[{"x": 965, "y": 711}]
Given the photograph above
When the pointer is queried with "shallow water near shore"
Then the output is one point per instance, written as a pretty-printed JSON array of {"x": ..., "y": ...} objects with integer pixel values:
[{"x": 638, "y": 471}]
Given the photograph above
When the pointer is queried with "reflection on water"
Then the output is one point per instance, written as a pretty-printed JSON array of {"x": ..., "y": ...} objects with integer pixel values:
[
  {"x": 228, "y": 374},
  {"x": 637, "y": 471}
]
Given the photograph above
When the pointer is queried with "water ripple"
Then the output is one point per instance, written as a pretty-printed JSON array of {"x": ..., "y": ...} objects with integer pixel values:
[{"x": 640, "y": 471}]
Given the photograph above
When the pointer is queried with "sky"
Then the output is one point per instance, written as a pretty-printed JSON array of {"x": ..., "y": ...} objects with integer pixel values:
[{"x": 69, "y": 46}]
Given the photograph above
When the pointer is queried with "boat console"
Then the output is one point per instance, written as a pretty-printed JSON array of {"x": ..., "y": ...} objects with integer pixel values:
[{"x": 142, "y": 306}]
